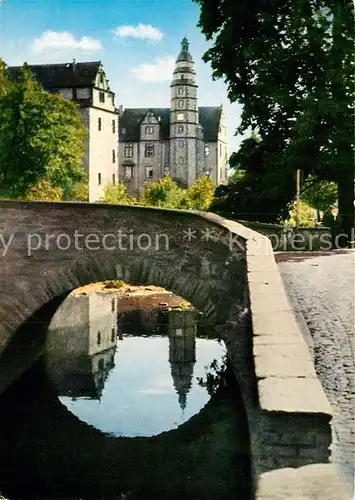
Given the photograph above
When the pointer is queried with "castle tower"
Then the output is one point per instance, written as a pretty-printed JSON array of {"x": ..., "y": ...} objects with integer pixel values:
[
  {"x": 183, "y": 119},
  {"x": 182, "y": 352}
]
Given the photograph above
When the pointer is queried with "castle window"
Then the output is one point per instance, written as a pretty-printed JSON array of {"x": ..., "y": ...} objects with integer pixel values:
[
  {"x": 220, "y": 149},
  {"x": 180, "y": 117},
  {"x": 99, "y": 179},
  {"x": 181, "y": 144},
  {"x": 207, "y": 151},
  {"x": 113, "y": 126},
  {"x": 128, "y": 151},
  {"x": 112, "y": 305},
  {"x": 149, "y": 172},
  {"x": 99, "y": 124},
  {"x": 180, "y": 128},
  {"x": 98, "y": 341},
  {"x": 113, "y": 179},
  {"x": 180, "y": 90},
  {"x": 123, "y": 131},
  {"x": 181, "y": 160},
  {"x": 102, "y": 96},
  {"x": 149, "y": 151},
  {"x": 181, "y": 103},
  {"x": 113, "y": 156},
  {"x": 113, "y": 335},
  {"x": 149, "y": 129},
  {"x": 128, "y": 172},
  {"x": 101, "y": 78}
]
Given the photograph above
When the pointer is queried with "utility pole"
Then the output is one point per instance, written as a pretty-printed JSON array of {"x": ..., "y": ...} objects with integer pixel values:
[{"x": 298, "y": 182}]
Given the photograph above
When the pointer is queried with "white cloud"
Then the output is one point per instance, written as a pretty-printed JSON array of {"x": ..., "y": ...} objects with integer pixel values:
[
  {"x": 142, "y": 31},
  {"x": 54, "y": 40},
  {"x": 159, "y": 71}
]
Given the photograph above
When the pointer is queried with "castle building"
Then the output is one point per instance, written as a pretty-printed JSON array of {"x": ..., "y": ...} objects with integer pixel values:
[
  {"x": 81, "y": 345},
  {"x": 137, "y": 145},
  {"x": 186, "y": 141},
  {"x": 86, "y": 84}
]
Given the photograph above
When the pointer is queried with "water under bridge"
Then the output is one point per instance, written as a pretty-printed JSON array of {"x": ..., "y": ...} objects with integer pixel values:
[{"x": 224, "y": 269}]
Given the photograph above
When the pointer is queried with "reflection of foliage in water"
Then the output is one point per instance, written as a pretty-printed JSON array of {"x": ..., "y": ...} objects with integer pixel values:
[{"x": 216, "y": 376}]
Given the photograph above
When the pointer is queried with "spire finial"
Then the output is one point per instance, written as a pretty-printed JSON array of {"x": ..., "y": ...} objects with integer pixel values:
[{"x": 184, "y": 44}]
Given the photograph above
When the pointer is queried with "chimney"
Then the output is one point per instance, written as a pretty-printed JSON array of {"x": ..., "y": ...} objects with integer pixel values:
[
  {"x": 74, "y": 64},
  {"x": 120, "y": 109}
]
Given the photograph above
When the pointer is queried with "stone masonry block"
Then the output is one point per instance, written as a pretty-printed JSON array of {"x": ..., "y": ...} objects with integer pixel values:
[
  {"x": 293, "y": 394},
  {"x": 283, "y": 360}
]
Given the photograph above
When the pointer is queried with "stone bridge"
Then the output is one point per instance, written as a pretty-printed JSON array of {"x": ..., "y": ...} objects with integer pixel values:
[{"x": 224, "y": 269}]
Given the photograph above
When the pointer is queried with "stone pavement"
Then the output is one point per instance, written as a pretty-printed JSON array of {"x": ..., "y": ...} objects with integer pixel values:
[{"x": 321, "y": 287}]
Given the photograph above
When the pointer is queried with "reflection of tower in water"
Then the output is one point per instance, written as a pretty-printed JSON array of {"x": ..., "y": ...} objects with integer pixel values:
[{"x": 182, "y": 352}]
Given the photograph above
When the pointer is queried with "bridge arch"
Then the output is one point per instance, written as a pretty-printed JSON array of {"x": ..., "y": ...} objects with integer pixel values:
[{"x": 204, "y": 261}]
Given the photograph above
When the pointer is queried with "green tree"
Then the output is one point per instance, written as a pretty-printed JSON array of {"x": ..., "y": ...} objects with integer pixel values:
[
  {"x": 77, "y": 191},
  {"x": 44, "y": 191},
  {"x": 237, "y": 176},
  {"x": 290, "y": 65},
  {"x": 4, "y": 82},
  {"x": 200, "y": 194},
  {"x": 319, "y": 194},
  {"x": 257, "y": 191},
  {"x": 306, "y": 215},
  {"x": 166, "y": 193},
  {"x": 117, "y": 195},
  {"x": 41, "y": 137}
]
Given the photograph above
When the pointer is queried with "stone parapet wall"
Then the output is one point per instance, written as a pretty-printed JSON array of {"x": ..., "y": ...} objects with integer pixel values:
[{"x": 288, "y": 238}]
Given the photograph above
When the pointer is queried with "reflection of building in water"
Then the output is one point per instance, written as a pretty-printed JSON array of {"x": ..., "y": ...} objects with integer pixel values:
[
  {"x": 138, "y": 322},
  {"x": 182, "y": 351},
  {"x": 81, "y": 344}
]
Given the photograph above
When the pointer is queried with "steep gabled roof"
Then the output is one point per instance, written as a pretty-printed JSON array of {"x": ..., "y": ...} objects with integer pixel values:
[
  {"x": 57, "y": 76},
  {"x": 209, "y": 118},
  {"x": 131, "y": 118}
]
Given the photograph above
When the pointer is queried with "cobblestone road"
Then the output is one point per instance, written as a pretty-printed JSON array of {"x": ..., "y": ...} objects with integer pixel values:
[{"x": 321, "y": 287}]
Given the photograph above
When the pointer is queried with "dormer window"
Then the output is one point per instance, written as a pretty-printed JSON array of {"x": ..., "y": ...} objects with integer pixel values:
[
  {"x": 102, "y": 96},
  {"x": 149, "y": 130},
  {"x": 102, "y": 80}
]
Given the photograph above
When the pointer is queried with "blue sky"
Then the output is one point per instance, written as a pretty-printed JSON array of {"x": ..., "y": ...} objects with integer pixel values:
[{"x": 136, "y": 40}]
